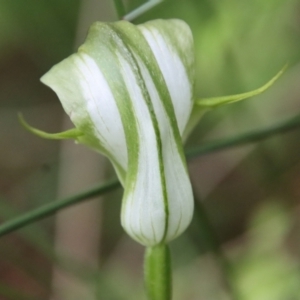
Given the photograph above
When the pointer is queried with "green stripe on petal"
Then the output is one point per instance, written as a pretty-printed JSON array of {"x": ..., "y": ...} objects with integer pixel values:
[
  {"x": 102, "y": 45},
  {"x": 179, "y": 200},
  {"x": 140, "y": 44},
  {"x": 172, "y": 45},
  {"x": 150, "y": 188},
  {"x": 180, "y": 207}
]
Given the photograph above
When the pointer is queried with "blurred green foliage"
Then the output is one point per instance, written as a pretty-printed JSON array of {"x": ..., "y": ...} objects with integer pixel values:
[{"x": 253, "y": 208}]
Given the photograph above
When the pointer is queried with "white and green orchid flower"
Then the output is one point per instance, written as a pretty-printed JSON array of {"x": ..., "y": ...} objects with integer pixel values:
[{"x": 129, "y": 92}]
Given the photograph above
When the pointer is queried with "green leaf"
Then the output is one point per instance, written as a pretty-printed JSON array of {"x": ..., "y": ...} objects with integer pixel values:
[
  {"x": 68, "y": 134},
  {"x": 217, "y": 101}
]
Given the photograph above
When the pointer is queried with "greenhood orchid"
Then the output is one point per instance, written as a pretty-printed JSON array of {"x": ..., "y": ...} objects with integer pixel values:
[{"x": 129, "y": 92}]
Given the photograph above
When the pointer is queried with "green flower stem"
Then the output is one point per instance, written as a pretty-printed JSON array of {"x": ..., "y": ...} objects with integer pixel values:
[
  {"x": 246, "y": 138},
  {"x": 51, "y": 208},
  {"x": 157, "y": 269},
  {"x": 120, "y": 8}
]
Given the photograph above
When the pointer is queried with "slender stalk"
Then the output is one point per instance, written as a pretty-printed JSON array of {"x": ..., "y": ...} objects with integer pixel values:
[
  {"x": 120, "y": 8},
  {"x": 51, "y": 208},
  {"x": 157, "y": 269},
  {"x": 246, "y": 138},
  {"x": 141, "y": 9}
]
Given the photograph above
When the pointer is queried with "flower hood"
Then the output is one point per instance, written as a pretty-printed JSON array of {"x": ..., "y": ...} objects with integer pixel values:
[{"x": 129, "y": 92}]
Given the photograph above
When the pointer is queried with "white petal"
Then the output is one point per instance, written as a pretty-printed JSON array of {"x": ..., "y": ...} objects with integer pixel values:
[
  {"x": 102, "y": 109},
  {"x": 88, "y": 100},
  {"x": 143, "y": 212},
  {"x": 130, "y": 91},
  {"x": 160, "y": 205},
  {"x": 168, "y": 51},
  {"x": 179, "y": 191}
]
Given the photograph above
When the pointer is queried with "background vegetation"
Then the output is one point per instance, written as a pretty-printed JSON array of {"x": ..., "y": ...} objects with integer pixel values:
[{"x": 249, "y": 248}]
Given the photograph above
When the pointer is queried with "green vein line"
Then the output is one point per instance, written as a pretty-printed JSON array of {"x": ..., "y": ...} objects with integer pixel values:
[
  {"x": 130, "y": 34},
  {"x": 129, "y": 56},
  {"x": 50, "y": 209}
]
